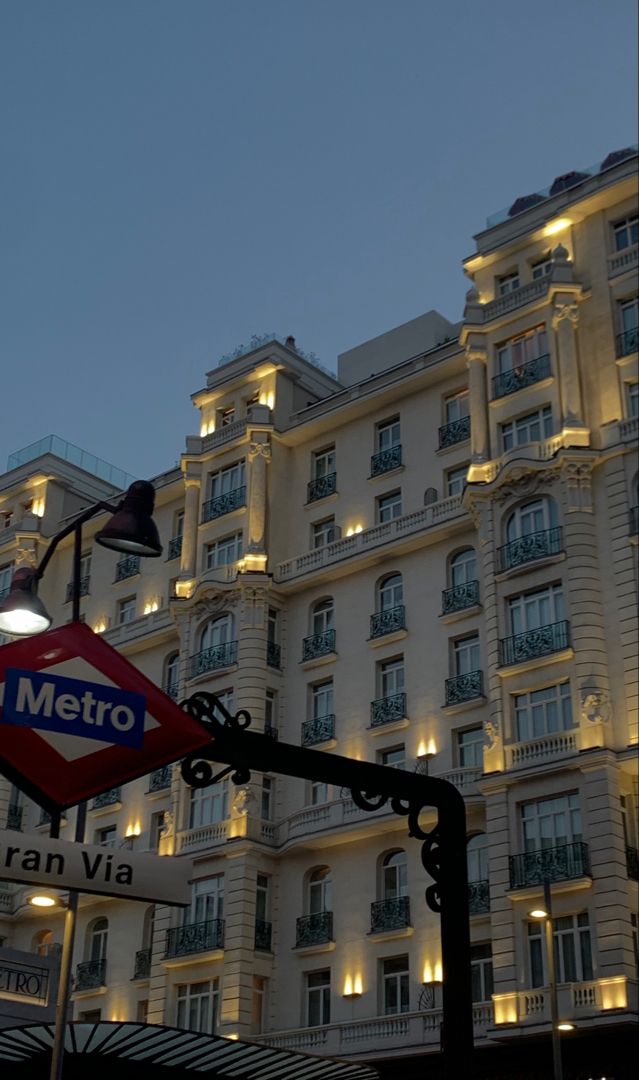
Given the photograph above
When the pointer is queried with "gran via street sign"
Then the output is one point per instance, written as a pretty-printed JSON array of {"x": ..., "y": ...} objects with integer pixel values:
[
  {"x": 91, "y": 868},
  {"x": 76, "y": 718}
]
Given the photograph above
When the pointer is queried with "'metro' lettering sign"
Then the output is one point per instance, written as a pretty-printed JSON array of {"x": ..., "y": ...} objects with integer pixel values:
[{"x": 55, "y": 703}]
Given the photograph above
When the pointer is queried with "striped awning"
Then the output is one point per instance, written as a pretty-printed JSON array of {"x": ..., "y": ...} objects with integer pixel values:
[{"x": 185, "y": 1051}]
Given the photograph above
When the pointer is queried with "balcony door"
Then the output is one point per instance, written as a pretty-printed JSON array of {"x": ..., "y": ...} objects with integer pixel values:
[{"x": 550, "y": 823}]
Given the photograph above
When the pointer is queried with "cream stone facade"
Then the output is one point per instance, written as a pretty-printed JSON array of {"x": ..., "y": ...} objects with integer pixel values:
[{"x": 428, "y": 561}]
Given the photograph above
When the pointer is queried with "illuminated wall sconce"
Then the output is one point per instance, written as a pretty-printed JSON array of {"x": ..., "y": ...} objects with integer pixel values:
[
  {"x": 133, "y": 829},
  {"x": 37, "y": 507},
  {"x": 353, "y": 530},
  {"x": 151, "y": 606},
  {"x": 207, "y": 427},
  {"x": 425, "y": 751},
  {"x": 352, "y": 986},
  {"x": 557, "y": 226},
  {"x": 101, "y": 625},
  {"x": 267, "y": 398}
]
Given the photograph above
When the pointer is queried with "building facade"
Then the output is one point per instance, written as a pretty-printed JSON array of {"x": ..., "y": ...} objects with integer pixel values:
[{"x": 428, "y": 561}]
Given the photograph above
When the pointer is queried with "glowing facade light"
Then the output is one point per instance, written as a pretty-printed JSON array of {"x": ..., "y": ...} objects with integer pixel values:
[{"x": 557, "y": 226}]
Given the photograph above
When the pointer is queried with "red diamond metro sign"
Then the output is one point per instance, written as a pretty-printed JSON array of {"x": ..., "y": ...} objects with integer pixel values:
[{"x": 76, "y": 718}]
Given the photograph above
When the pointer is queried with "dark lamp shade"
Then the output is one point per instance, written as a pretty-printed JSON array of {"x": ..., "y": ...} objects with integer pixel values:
[{"x": 132, "y": 529}]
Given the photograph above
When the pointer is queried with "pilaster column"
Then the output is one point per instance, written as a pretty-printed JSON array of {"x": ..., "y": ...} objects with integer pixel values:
[
  {"x": 565, "y": 317},
  {"x": 479, "y": 441},
  {"x": 259, "y": 455},
  {"x": 189, "y": 538},
  {"x": 239, "y": 942}
]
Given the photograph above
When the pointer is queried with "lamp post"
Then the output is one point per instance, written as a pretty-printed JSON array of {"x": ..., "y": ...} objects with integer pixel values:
[
  {"x": 132, "y": 531},
  {"x": 545, "y": 913}
]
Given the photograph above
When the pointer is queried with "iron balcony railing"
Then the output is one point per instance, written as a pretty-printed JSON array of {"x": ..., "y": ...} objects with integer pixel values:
[
  {"x": 559, "y": 863},
  {"x": 160, "y": 779},
  {"x": 127, "y": 567},
  {"x": 45, "y": 818},
  {"x": 386, "y": 460},
  {"x": 142, "y": 965},
  {"x": 634, "y": 520},
  {"x": 224, "y": 504},
  {"x": 464, "y": 687},
  {"x": 632, "y": 863},
  {"x": 171, "y": 690},
  {"x": 195, "y": 937},
  {"x": 218, "y": 656},
  {"x": 90, "y": 974},
  {"x": 321, "y": 486},
  {"x": 386, "y": 709},
  {"x": 628, "y": 341},
  {"x": 391, "y": 914},
  {"x": 174, "y": 548},
  {"x": 522, "y": 375},
  {"x": 14, "y": 816},
  {"x": 85, "y": 583},
  {"x": 107, "y": 798},
  {"x": 386, "y": 622},
  {"x": 263, "y": 935},
  {"x": 318, "y": 730},
  {"x": 459, "y": 597},
  {"x": 318, "y": 645},
  {"x": 455, "y": 432},
  {"x": 273, "y": 654},
  {"x": 314, "y": 929},
  {"x": 525, "y": 549},
  {"x": 478, "y": 897},
  {"x": 534, "y": 643}
]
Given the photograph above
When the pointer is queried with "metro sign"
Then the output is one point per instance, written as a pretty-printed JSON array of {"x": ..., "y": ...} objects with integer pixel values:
[{"x": 76, "y": 718}]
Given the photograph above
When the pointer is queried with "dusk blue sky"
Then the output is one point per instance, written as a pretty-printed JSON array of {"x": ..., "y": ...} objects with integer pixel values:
[{"x": 178, "y": 175}]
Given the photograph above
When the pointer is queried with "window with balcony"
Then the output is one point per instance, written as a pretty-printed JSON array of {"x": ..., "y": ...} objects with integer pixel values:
[
  {"x": 628, "y": 318},
  {"x": 126, "y": 567},
  {"x": 202, "y": 925},
  {"x": 175, "y": 543},
  {"x": 320, "y": 891},
  {"x": 392, "y": 910},
  {"x": 156, "y": 827},
  {"x": 324, "y": 475},
  {"x": 632, "y": 402},
  {"x": 456, "y": 427},
  {"x": 171, "y": 675},
  {"x": 207, "y": 900},
  {"x": 390, "y": 606},
  {"x": 572, "y": 949},
  {"x": 91, "y": 972},
  {"x": 532, "y": 533},
  {"x": 542, "y": 267},
  {"x": 390, "y": 704},
  {"x": 273, "y": 650},
  {"x": 625, "y": 232},
  {"x": 463, "y": 590},
  {"x": 553, "y": 844},
  {"x": 526, "y": 429},
  {"x": 456, "y": 480},
  {"x": 521, "y": 361},
  {"x": 197, "y": 1005},
  {"x": 389, "y": 507},
  {"x": 263, "y": 912},
  {"x": 470, "y": 747},
  {"x": 217, "y": 646},
  {"x": 224, "y": 552},
  {"x": 465, "y": 682},
  {"x": 267, "y": 794},
  {"x": 543, "y": 712},
  {"x": 320, "y": 726},
  {"x": 481, "y": 971},
  {"x": 324, "y": 532},
  {"x": 388, "y": 447},
  {"x": 478, "y": 884},
  {"x": 321, "y": 641},
  {"x": 318, "y": 793},
  {"x": 259, "y": 1000},
  {"x": 395, "y": 980},
  {"x": 316, "y": 926},
  {"x": 537, "y": 624},
  {"x": 208, "y": 805},
  {"x": 126, "y": 610},
  {"x": 227, "y": 416},
  {"x": 507, "y": 283},
  {"x": 84, "y": 577},
  {"x": 317, "y": 998},
  {"x": 270, "y": 712}
]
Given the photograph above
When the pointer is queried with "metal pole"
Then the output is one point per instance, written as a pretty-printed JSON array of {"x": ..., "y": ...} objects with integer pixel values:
[{"x": 552, "y": 984}]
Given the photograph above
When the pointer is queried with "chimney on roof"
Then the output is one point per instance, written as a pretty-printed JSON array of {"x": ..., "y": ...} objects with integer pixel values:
[{"x": 290, "y": 342}]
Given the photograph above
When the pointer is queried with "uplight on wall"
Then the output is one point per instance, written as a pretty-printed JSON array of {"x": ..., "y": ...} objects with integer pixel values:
[
  {"x": 353, "y": 530},
  {"x": 267, "y": 398},
  {"x": 353, "y": 986},
  {"x": 432, "y": 972},
  {"x": 557, "y": 226},
  {"x": 100, "y": 626},
  {"x": 37, "y": 506},
  {"x": 207, "y": 427},
  {"x": 151, "y": 606},
  {"x": 133, "y": 829}
]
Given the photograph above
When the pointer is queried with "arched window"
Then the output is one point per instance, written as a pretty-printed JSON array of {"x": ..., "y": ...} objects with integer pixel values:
[
  {"x": 171, "y": 674},
  {"x": 218, "y": 631},
  {"x": 390, "y": 592},
  {"x": 394, "y": 880},
  {"x": 320, "y": 890},
  {"x": 97, "y": 938},
  {"x": 477, "y": 857},
  {"x": 41, "y": 942},
  {"x": 534, "y": 516},
  {"x": 463, "y": 567},
  {"x": 322, "y": 616}
]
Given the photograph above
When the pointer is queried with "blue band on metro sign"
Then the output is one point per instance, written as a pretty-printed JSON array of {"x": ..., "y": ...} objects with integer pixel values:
[{"x": 48, "y": 702}]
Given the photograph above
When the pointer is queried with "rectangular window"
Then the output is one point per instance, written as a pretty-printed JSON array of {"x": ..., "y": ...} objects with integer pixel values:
[
  {"x": 227, "y": 416},
  {"x": 470, "y": 748},
  {"x": 543, "y": 712},
  {"x": 225, "y": 480},
  {"x": 322, "y": 699},
  {"x": 258, "y": 1004},
  {"x": 107, "y": 837},
  {"x": 85, "y": 565},
  {"x": 632, "y": 398},
  {"x": 323, "y": 463},
  {"x": 541, "y": 607},
  {"x": 272, "y": 626},
  {"x": 456, "y": 406},
  {"x": 208, "y": 805},
  {"x": 126, "y": 610},
  {"x": 629, "y": 316},
  {"x": 541, "y": 268},
  {"x": 270, "y": 711},
  {"x": 572, "y": 948},
  {"x": 224, "y": 552},
  {"x": 394, "y": 757},
  {"x": 395, "y": 986},
  {"x": 520, "y": 350},
  {"x": 207, "y": 900},
  {"x": 324, "y": 532},
  {"x": 456, "y": 480},
  {"x": 526, "y": 429},
  {"x": 626, "y": 232},
  {"x": 178, "y": 523},
  {"x": 388, "y": 434},
  {"x": 266, "y": 801},
  {"x": 318, "y": 793},
  {"x": 550, "y": 823},
  {"x": 389, "y": 507},
  {"x": 262, "y": 898},
  {"x": 156, "y": 825},
  {"x": 142, "y": 1011},
  {"x": 481, "y": 969},
  {"x": 318, "y": 998},
  {"x": 197, "y": 1006},
  {"x": 6, "y": 574},
  {"x": 466, "y": 655},
  {"x": 507, "y": 283},
  {"x": 391, "y": 677},
  {"x": 91, "y": 1016}
]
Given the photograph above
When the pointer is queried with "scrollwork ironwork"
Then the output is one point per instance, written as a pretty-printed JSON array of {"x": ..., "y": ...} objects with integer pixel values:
[{"x": 196, "y": 769}]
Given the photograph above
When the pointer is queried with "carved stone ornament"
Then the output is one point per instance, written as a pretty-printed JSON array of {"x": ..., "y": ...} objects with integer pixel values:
[
  {"x": 595, "y": 706},
  {"x": 253, "y": 608},
  {"x": 473, "y": 353},
  {"x": 167, "y": 826},
  {"x": 565, "y": 311},
  {"x": 242, "y": 801},
  {"x": 521, "y": 482},
  {"x": 259, "y": 449},
  {"x": 492, "y": 734},
  {"x": 25, "y": 557},
  {"x": 578, "y": 478},
  {"x": 213, "y": 605}
]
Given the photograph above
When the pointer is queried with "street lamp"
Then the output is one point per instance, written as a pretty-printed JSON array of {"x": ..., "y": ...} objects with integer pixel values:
[
  {"x": 132, "y": 531},
  {"x": 545, "y": 913}
]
